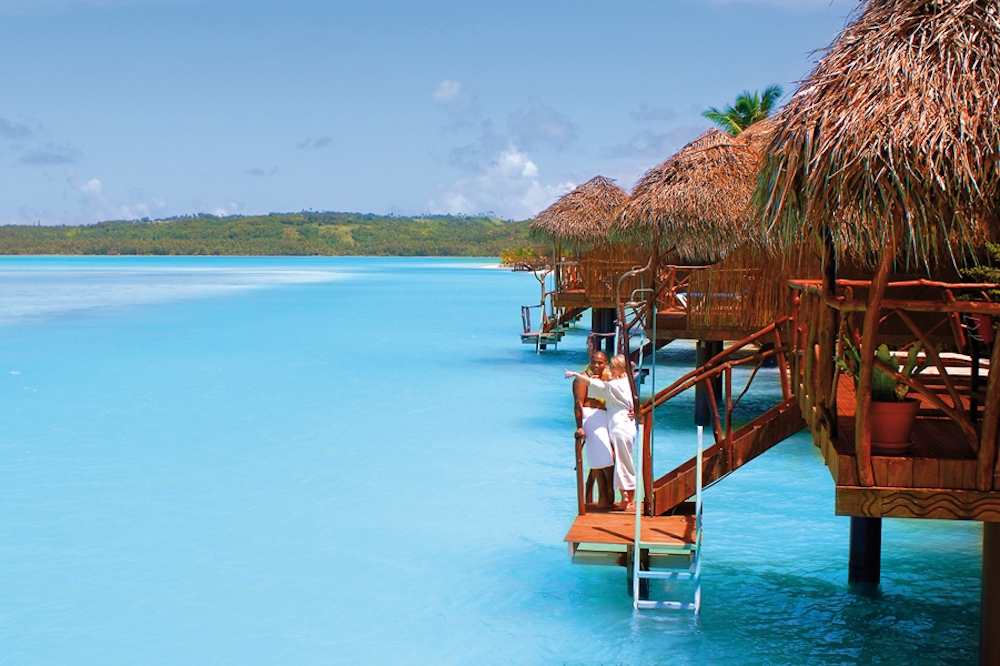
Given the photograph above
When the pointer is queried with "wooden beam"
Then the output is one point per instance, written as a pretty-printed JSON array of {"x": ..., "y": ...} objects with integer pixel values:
[
  {"x": 920, "y": 306},
  {"x": 935, "y": 358},
  {"x": 878, "y": 502}
]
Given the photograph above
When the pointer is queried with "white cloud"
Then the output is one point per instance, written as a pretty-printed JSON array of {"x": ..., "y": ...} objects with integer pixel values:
[
  {"x": 447, "y": 91},
  {"x": 461, "y": 106},
  {"x": 507, "y": 184},
  {"x": 231, "y": 207},
  {"x": 541, "y": 125},
  {"x": 50, "y": 153},
  {"x": 95, "y": 206},
  {"x": 257, "y": 171},
  {"x": 13, "y": 131},
  {"x": 646, "y": 113},
  {"x": 655, "y": 145},
  {"x": 315, "y": 144}
]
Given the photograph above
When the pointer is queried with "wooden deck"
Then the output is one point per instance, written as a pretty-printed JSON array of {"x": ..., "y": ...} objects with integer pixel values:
[
  {"x": 938, "y": 458},
  {"x": 618, "y": 527},
  {"x": 674, "y": 325},
  {"x": 935, "y": 479}
]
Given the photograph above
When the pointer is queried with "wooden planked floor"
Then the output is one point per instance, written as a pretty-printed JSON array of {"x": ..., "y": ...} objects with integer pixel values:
[
  {"x": 618, "y": 527},
  {"x": 934, "y": 434},
  {"x": 940, "y": 456}
]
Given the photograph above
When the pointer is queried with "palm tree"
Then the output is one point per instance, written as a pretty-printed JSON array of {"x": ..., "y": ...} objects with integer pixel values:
[{"x": 747, "y": 110}]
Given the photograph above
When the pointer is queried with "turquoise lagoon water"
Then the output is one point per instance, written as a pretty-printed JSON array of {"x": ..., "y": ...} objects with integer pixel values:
[{"x": 355, "y": 461}]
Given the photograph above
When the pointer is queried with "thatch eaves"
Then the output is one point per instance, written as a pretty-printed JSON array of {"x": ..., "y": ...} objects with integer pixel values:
[
  {"x": 893, "y": 139},
  {"x": 698, "y": 201},
  {"x": 581, "y": 217}
]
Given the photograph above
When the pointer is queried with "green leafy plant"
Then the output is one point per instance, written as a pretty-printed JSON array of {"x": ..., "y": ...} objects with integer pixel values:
[
  {"x": 986, "y": 272},
  {"x": 884, "y": 387}
]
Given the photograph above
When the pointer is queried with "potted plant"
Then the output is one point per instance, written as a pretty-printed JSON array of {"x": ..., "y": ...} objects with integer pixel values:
[
  {"x": 892, "y": 414},
  {"x": 981, "y": 325}
]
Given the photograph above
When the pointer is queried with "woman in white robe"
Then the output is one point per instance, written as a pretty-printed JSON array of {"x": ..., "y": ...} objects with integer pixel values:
[{"x": 617, "y": 395}]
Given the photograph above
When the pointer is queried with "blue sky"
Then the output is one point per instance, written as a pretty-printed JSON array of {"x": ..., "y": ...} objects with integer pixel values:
[{"x": 123, "y": 109}]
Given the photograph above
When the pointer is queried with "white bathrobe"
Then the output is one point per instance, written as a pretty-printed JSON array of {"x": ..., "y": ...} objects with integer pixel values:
[
  {"x": 595, "y": 425},
  {"x": 617, "y": 396}
]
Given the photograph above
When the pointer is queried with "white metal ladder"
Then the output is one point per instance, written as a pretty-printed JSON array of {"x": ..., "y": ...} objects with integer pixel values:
[{"x": 693, "y": 571}]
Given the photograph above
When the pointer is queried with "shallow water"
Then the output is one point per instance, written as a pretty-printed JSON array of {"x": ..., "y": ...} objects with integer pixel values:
[{"x": 316, "y": 461}]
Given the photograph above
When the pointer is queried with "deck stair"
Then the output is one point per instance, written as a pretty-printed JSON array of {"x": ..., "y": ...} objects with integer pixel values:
[
  {"x": 560, "y": 322},
  {"x": 643, "y": 572},
  {"x": 541, "y": 337},
  {"x": 728, "y": 455}
]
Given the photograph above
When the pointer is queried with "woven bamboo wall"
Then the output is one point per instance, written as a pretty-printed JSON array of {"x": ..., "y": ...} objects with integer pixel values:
[
  {"x": 601, "y": 268},
  {"x": 745, "y": 291}
]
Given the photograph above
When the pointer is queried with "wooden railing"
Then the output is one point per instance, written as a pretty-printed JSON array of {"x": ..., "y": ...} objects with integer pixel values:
[
  {"x": 825, "y": 322},
  {"x": 674, "y": 287},
  {"x": 769, "y": 344},
  {"x": 567, "y": 276}
]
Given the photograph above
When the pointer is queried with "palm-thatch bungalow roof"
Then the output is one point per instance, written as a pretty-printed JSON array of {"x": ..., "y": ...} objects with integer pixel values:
[
  {"x": 892, "y": 141},
  {"x": 581, "y": 217},
  {"x": 699, "y": 200}
]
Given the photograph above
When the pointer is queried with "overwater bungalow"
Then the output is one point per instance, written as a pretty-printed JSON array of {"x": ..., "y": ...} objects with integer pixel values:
[
  {"x": 586, "y": 268},
  {"x": 888, "y": 155},
  {"x": 886, "y": 161},
  {"x": 713, "y": 283}
]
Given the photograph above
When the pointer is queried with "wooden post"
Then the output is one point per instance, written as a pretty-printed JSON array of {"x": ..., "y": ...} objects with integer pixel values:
[
  {"x": 989, "y": 602},
  {"x": 809, "y": 359},
  {"x": 862, "y": 429},
  {"x": 705, "y": 351},
  {"x": 974, "y": 353},
  {"x": 702, "y": 413},
  {"x": 864, "y": 566},
  {"x": 991, "y": 416},
  {"x": 829, "y": 326}
]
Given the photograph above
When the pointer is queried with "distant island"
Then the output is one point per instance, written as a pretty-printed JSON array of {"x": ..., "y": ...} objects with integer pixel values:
[{"x": 306, "y": 233}]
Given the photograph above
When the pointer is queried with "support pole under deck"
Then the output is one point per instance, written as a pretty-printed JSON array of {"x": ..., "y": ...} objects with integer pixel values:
[
  {"x": 989, "y": 609},
  {"x": 602, "y": 321},
  {"x": 864, "y": 567},
  {"x": 705, "y": 350}
]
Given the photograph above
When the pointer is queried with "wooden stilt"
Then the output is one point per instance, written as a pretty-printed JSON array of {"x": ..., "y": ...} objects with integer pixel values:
[
  {"x": 864, "y": 566},
  {"x": 705, "y": 351},
  {"x": 989, "y": 609}
]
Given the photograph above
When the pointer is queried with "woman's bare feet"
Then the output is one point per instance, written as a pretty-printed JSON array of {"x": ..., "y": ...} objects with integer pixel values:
[{"x": 628, "y": 501}]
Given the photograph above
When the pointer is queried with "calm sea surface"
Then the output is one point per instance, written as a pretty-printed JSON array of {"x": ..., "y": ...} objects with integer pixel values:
[{"x": 354, "y": 461}]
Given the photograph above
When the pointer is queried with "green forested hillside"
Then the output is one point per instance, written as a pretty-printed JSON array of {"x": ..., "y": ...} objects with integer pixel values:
[{"x": 305, "y": 233}]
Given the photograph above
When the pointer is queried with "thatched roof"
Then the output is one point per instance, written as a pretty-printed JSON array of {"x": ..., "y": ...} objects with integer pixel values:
[
  {"x": 894, "y": 135},
  {"x": 583, "y": 216},
  {"x": 699, "y": 200}
]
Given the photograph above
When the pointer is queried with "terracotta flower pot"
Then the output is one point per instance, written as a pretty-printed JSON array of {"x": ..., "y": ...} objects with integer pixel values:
[{"x": 891, "y": 425}]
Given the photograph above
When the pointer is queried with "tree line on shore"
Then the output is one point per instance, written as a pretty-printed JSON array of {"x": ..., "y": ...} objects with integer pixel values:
[{"x": 306, "y": 233}]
